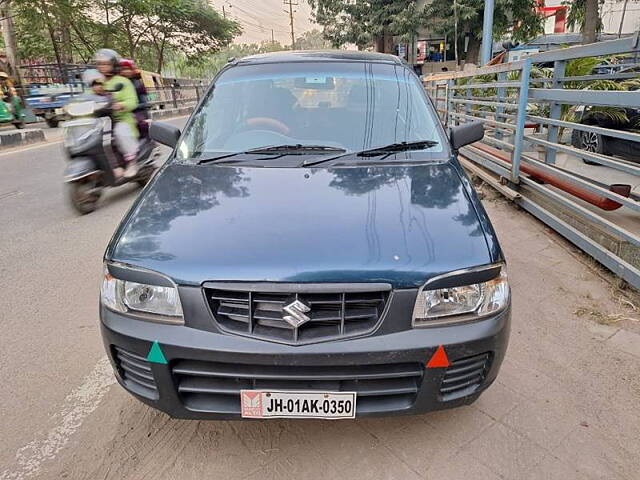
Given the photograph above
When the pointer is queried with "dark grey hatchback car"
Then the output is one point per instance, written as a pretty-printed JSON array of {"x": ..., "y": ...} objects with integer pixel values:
[{"x": 311, "y": 249}]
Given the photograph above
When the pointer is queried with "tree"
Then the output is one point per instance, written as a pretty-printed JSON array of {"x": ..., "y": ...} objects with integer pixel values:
[
  {"x": 72, "y": 30},
  {"x": 517, "y": 17},
  {"x": 312, "y": 40},
  {"x": 363, "y": 22},
  {"x": 206, "y": 66},
  {"x": 191, "y": 26}
]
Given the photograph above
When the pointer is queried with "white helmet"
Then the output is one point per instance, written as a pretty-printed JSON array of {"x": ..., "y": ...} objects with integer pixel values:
[{"x": 90, "y": 76}]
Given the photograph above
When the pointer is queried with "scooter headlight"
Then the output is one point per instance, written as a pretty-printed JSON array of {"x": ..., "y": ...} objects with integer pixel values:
[{"x": 80, "y": 109}]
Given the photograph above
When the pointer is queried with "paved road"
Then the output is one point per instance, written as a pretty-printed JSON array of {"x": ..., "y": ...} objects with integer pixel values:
[{"x": 565, "y": 404}]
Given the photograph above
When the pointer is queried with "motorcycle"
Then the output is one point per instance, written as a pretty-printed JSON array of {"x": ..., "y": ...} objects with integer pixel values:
[{"x": 93, "y": 155}]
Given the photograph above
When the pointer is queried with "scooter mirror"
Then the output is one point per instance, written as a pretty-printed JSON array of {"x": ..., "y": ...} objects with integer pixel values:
[{"x": 164, "y": 133}]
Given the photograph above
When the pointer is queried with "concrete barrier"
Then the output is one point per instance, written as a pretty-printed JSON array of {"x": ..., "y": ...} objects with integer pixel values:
[
  {"x": 171, "y": 112},
  {"x": 17, "y": 138}
]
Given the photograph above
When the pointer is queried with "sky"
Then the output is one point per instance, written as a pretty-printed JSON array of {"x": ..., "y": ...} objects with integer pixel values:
[{"x": 259, "y": 17}]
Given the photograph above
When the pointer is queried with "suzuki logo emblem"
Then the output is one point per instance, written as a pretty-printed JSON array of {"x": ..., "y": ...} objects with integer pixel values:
[{"x": 296, "y": 311}]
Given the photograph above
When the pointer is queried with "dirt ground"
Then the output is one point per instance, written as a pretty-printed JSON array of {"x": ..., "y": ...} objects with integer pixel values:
[{"x": 565, "y": 404}]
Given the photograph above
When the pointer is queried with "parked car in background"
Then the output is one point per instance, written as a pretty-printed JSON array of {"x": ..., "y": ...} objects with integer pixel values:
[
  {"x": 624, "y": 119},
  {"x": 311, "y": 249}
]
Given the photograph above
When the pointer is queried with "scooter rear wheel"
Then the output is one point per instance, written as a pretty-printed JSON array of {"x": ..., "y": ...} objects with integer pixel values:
[{"x": 84, "y": 195}]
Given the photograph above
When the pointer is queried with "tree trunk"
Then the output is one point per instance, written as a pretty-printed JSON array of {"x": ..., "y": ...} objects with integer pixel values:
[
  {"x": 379, "y": 43},
  {"x": 130, "y": 41},
  {"x": 591, "y": 19},
  {"x": 473, "y": 50},
  {"x": 388, "y": 41},
  {"x": 161, "y": 56}
]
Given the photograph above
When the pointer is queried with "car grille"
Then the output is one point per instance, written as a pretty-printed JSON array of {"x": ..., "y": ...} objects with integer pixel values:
[
  {"x": 464, "y": 376},
  {"x": 136, "y": 374},
  {"x": 215, "y": 387},
  {"x": 332, "y": 315}
]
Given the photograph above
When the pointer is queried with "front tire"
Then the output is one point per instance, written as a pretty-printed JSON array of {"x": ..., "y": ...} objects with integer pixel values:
[
  {"x": 52, "y": 122},
  {"x": 84, "y": 195},
  {"x": 591, "y": 142}
]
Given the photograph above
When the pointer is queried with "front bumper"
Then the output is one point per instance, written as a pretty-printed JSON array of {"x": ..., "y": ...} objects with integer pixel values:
[{"x": 206, "y": 369}]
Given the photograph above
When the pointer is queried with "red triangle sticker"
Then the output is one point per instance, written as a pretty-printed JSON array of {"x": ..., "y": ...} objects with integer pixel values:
[{"x": 439, "y": 359}]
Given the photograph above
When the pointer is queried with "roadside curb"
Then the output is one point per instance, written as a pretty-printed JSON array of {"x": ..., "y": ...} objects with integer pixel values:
[{"x": 17, "y": 138}]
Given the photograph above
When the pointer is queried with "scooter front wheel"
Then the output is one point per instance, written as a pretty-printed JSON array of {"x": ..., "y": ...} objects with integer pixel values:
[{"x": 84, "y": 195}]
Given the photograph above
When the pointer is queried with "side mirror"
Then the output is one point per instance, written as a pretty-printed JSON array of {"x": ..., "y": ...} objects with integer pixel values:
[
  {"x": 466, "y": 134},
  {"x": 164, "y": 133}
]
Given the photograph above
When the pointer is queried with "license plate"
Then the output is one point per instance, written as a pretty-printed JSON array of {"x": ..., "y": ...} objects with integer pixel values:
[{"x": 282, "y": 404}]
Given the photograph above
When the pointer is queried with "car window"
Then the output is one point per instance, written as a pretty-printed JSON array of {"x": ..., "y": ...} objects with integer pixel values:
[{"x": 354, "y": 106}]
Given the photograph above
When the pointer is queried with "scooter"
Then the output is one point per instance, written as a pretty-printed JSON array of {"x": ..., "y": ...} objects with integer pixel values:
[{"x": 93, "y": 155}]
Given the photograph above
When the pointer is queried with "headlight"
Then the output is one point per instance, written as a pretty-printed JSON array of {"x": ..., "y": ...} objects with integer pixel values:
[
  {"x": 150, "y": 302},
  {"x": 80, "y": 109},
  {"x": 460, "y": 304}
]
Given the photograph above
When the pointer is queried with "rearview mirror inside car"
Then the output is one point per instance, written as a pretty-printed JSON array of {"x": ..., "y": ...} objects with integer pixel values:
[
  {"x": 466, "y": 134},
  {"x": 164, "y": 133}
]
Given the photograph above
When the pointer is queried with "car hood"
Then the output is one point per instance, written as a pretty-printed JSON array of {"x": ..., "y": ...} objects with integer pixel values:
[{"x": 396, "y": 223}]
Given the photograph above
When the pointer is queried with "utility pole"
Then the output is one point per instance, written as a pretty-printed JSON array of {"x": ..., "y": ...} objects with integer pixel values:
[
  {"x": 9, "y": 36},
  {"x": 273, "y": 37},
  {"x": 487, "y": 32},
  {"x": 291, "y": 5},
  {"x": 224, "y": 13}
]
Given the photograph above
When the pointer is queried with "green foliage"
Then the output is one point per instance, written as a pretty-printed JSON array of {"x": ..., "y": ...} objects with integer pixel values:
[
  {"x": 312, "y": 40},
  {"x": 362, "y": 21},
  {"x": 614, "y": 115},
  {"x": 146, "y": 30},
  {"x": 529, "y": 24},
  {"x": 206, "y": 66}
]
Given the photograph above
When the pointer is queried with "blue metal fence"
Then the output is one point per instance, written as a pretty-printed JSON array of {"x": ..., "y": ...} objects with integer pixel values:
[{"x": 527, "y": 108}]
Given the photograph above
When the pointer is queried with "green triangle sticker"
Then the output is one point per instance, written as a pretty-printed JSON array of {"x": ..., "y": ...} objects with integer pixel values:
[{"x": 155, "y": 354}]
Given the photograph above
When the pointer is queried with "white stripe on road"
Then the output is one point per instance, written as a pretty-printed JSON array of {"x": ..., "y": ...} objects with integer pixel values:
[
  {"x": 33, "y": 147},
  {"x": 79, "y": 404}
]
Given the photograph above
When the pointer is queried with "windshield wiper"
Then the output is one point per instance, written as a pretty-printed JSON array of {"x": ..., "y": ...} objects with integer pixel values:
[
  {"x": 277, "y": 150},
  {"x": 297, "y": 149},
  {"x": 385, "y": 150},
  {"x": 397, "y": 147}
]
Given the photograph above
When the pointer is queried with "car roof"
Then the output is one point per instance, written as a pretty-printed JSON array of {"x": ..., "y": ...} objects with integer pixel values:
[{"x": 319, "y": 56}]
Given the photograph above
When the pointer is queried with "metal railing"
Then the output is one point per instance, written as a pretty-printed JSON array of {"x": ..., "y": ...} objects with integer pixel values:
[
  {"x": 527, "y": 108},
  {"x": 174, "y": 97}
]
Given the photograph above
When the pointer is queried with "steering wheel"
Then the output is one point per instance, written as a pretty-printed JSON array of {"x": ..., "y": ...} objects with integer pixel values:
[{"x": 268, "y": 123}]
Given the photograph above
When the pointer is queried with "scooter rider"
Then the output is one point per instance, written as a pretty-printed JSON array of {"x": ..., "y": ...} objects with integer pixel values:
[
  {"x": 125, "y": 101},
  {"x": 128, "y": 69}
]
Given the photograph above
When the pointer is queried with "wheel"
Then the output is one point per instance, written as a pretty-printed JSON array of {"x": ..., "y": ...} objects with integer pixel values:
[
  {"x": 52, "y": 122},
  {"x": 19, "y": 125},
  {"x": 592, "y": 142},
  {"x": 84, "y": 195}
]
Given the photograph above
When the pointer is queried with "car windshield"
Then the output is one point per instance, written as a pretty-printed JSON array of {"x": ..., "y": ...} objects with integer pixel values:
[{"x": 350, "y": 106}]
